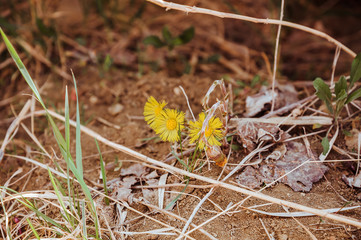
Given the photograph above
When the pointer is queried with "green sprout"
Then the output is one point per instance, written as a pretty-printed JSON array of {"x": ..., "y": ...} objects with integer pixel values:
[
  {"x": 341, "y": 93},
  {"x": 168, "y": 40}
]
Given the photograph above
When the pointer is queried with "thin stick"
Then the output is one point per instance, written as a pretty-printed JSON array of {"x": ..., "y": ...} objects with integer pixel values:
[
  {"x": 265, "y": 229},
  {"x": 189, "y": 106},
  {"x": 13, "y": 127},
  {"x": 276, "y": 57},
  {"x": 302, "y": 120},
  {"x": 303, "y": 226},
  {"x": 289, "y": 107},
  {"x": 335, "y": 59},
  {"x": 189, "y": 9},
  {"x": 175, "y": 185}
]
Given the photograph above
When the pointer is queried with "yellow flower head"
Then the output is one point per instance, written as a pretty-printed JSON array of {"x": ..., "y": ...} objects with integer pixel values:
[
  {"x": 152, "y": 110},
  {"x": 213, "y": 132},
  {"x": 168, "y": 124}
]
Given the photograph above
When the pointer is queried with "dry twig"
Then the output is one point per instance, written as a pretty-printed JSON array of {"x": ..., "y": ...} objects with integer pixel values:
[{"x": 194, "y": 9}]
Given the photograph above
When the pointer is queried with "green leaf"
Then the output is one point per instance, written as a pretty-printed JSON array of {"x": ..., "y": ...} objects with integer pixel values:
[
  {"x": 339, "y": 86},
  {"x": 323, "y": 92},
  {"x": 104, "y": 177},
  {"x": 155, "y": 41},
  {"x": 354, "y": 95},
  {"x": 355, "y": 74},
  {"x": 185, "y": 37},
  {"x": 167, "y": 36},
  {"x": 108, "y": 61},
  {"x": 213, "y": 58},
  {"x": 342, "y": 95},
  {"x": 256, "y": 79},
  {"x": 326, "y": 145},
  {"x": 347, "y": 133},
  {"x": 340, "y": 102},
  {"x": 235, "y": 147}
]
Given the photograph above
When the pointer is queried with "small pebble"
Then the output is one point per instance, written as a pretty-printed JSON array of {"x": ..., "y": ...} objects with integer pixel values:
[
  {"x": 177, "y": 91},
  {"x": 115, "y": 109},
  {"x": 93, "y": 100}
]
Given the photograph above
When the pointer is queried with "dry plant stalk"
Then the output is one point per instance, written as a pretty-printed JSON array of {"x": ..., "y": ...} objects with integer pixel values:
[
  {"x": 194, "y": 9},
  {"x": 302, "y": 121}
]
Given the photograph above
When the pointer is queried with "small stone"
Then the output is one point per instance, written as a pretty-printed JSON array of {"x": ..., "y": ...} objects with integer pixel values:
[
  {"x": 177, "y": 91},
  {"x": 115, "y": 109},
  {"x": 93, "y": 100}
]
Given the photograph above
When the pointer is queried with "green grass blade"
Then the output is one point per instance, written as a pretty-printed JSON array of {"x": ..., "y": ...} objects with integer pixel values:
[
  {"x": 67, "y": 141},
  {"x": 178, "y": 196},
  {"x": 85, "y": 235},
  {"x": 79, "y": 158},
  {"x": 33, "y": 229},
  {"x": 179, "y": 160},
  {"x": 103, "y": 173},
  {"x": 67, "y": 216},
  {"x": 67, "y": 126}
]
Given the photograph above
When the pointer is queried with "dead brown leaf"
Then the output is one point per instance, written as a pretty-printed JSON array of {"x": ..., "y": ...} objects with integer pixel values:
[
  {"x": 261, "y": 101},
  {"x": 250, "y": 133},
  {"x": 300, "y": 174}
]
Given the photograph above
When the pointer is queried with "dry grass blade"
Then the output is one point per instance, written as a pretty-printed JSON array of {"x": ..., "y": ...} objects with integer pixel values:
[
  {"x": 322, "y": 156},
  {"x": 303, "y": 120},
  {"x": 13, "y": 127},
  {"x": 299, "y": 214},
  {"x": 303, "y": 226},
  {"x": 189, "y": 9},
  {"x": 276, "y": 57},
  {"x": 270, "y": 237}
]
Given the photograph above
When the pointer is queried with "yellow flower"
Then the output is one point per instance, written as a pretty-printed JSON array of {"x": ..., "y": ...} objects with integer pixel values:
[
  {"x": 152, "y": 110},
  {"x": 168, "y": 124},
  {"x": 213, "y": 132}
]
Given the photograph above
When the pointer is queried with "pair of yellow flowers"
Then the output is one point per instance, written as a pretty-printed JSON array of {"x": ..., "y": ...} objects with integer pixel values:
[{"x": 168, "y": 123}]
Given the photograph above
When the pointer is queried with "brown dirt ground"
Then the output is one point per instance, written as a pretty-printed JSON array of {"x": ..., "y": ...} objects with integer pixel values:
[{"x": 131, "y": 89}]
